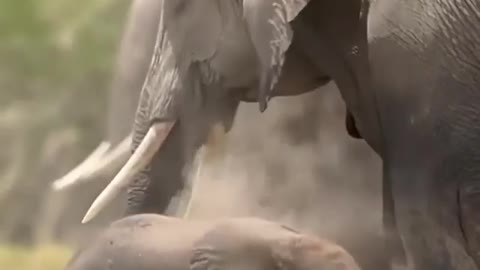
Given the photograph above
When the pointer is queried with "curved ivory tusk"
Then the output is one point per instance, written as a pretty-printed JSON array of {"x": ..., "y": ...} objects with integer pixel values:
[
  {"x": 144, "y": 153},
  {"x": 76, "y": 173},
  {"x": 111, "y": 161},
  {"x": 98, "y": 163}
]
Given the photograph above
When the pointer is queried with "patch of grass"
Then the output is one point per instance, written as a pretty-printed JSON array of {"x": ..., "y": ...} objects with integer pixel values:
[{"x": 47, "y": 257}]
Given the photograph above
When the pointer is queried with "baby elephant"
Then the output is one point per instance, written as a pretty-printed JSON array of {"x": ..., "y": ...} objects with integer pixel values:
[{"x": 156, "y": 242}]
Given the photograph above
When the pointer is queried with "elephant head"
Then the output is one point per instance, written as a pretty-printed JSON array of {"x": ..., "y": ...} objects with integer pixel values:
[{"x": 210, "y": 56}]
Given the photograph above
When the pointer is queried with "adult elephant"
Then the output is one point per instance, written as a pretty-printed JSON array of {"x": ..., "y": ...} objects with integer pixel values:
[
  {"x": 149, "y": 241},
  {"x": 419, "y": 112}
]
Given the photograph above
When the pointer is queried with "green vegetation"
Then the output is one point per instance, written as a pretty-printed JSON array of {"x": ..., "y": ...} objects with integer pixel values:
[
  {"x": 41, "y": 258},
  {"x": 55, "y": 72}
]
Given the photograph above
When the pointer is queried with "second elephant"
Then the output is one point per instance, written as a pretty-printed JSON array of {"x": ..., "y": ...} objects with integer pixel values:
[{"x": 150, "y": 242}]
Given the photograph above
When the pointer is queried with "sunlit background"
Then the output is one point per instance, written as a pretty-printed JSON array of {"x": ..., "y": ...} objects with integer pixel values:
[{"x": 294, "y": 163}]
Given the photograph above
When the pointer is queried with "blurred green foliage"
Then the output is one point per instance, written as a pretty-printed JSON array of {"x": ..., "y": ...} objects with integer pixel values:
[
  {"x": 40, "y": 258},
  {"x": 55, "y": 73},
  {"x": 52, "y": 50}
]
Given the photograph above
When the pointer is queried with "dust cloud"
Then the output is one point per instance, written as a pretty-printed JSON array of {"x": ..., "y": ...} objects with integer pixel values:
[{"x": 294, "y": 164}]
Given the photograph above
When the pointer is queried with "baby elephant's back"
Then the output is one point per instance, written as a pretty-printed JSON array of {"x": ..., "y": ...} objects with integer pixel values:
[
  {"x": 257, "y": 244},
  {"x": 140, "y": 242},
  {"x": 239, "y": 243}
]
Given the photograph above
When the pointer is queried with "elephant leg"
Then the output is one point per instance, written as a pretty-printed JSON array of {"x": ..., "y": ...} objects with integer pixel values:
[{"x": 427, "y": 218}]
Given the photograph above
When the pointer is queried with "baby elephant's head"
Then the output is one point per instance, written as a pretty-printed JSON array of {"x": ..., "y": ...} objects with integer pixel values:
[{"x": 311, "y": 253}]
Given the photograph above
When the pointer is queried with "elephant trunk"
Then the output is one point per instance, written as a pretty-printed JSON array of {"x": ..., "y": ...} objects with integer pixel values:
[{"x": 152, "y": 188}]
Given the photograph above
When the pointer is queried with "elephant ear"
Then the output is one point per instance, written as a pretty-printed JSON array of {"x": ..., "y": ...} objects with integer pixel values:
[
  {"x": 193, "y": 28},
  {"x": 268, "y": 25}
]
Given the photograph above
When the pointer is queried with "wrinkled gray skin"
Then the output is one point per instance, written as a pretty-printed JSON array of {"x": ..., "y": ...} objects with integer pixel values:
[
  {"x": 151, "y": 242},
  {"x": 425, "y": 62}
]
